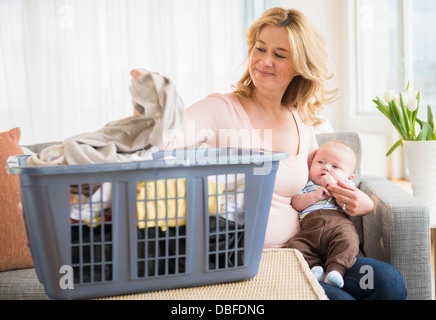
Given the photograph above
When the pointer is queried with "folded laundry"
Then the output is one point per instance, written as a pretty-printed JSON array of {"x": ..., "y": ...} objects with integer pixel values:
[
  {"x": 89, "y": 208},
  {"x": 159, "y": 202},
  {"x": 162, "y": 202}
]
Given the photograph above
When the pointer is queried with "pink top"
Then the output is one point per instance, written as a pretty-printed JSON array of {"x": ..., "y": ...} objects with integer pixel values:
[{"x": 216, "y": 119}]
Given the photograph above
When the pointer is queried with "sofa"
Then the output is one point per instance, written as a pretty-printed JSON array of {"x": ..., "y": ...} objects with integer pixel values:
[{"x": 397, "y": 231}]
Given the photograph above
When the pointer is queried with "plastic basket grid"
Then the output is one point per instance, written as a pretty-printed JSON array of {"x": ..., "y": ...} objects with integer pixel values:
[{"x": 200, "y": 225}]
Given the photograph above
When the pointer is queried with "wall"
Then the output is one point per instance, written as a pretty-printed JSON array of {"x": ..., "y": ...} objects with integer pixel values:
[{"x": 331, "y": 17}]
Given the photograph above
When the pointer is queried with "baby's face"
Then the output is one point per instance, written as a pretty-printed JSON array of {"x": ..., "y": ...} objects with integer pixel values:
[{"x": 332, "y": 162}]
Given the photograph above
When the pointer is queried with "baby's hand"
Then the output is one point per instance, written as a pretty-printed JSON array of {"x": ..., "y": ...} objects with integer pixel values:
[
  {"x": 321, "y": 194},
  {"x": 328, "y": 180}
]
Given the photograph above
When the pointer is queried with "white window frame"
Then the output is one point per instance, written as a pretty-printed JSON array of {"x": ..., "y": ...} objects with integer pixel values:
[{"x": 373, "y": 123}]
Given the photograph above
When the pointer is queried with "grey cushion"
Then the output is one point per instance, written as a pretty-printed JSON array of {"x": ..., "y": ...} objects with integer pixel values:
[
  {"x": 398, "y": 231},
  {"x": 21, "y": 284},
  {"x": 37, "y": 148}
]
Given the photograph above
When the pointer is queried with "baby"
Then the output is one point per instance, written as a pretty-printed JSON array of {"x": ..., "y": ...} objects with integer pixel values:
[{"x": 327, "y": 238}]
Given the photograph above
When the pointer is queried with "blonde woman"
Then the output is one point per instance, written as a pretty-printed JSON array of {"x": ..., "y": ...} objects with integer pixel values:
[{"x": 275, "y": 105}]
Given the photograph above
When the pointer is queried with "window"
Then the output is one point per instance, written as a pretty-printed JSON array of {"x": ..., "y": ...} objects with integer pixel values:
[
  {"x": 392, "y": 44},
  {"x": 64, "y": 65},
  {"x": 378, "y": 53},
  {"x": 424, "y": 48}
]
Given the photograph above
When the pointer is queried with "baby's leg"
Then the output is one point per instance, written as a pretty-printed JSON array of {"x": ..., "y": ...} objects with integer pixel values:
[
  {"x": 301, "y": 243},
  {"x": 343, "y": 248}
]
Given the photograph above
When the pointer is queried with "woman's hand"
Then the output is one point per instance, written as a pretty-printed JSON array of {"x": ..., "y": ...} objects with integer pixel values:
[
  {"x": 356, "y": 202},
  {"x": 136, "y": 73}
]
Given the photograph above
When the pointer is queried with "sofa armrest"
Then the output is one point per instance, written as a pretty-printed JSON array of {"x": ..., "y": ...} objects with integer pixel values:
[{"x": 398, "y": 231}]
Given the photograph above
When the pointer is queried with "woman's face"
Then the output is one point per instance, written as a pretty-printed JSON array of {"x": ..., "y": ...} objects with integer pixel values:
[{"x": 271, "y": 66}]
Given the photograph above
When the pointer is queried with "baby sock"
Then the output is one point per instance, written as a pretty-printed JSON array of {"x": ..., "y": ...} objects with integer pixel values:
[
  {"x": 334, "y": 278},
  {"x": 318, "y": 271}
]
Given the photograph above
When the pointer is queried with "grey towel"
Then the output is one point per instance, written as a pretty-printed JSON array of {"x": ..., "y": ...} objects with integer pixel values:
[{"x": 160, "y": 113}]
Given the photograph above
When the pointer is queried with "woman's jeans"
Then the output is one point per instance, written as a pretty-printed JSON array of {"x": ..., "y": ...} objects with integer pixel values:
[{"x": 369, "y": 279}]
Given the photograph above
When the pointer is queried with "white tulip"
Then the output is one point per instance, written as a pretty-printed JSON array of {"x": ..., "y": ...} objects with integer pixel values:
[
  {"x": 413, "y": 104},
  {"x": 413, "y": 101},
  {"x": 389, "y": 95}
]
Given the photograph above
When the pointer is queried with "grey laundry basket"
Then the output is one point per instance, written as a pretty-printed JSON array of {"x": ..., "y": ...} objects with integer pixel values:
[{"x": 185, "y": 218}]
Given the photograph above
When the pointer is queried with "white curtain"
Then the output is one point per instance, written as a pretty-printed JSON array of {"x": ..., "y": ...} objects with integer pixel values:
[{"x": 64, "y": 65}]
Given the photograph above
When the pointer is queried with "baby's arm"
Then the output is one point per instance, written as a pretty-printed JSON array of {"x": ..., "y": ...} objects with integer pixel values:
[{"x": 304, "y": 200}]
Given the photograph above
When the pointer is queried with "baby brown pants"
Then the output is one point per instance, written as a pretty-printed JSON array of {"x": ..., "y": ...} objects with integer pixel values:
[{"x": 328, "y": 239}]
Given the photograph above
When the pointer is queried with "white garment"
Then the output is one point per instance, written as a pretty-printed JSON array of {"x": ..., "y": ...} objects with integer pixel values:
[
  {"x": 134, "y": 138},
  {"x": 88, "y": 209}
]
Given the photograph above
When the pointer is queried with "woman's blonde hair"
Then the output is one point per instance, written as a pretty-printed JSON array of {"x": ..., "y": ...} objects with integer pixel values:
[{"x": 307, "y": 92}]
